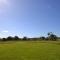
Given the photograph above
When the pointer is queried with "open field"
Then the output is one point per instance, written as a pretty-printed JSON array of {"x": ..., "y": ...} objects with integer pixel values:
[{"x": 30, "y": 50}]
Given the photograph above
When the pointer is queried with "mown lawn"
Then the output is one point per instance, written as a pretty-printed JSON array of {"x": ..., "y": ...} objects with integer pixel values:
[{"x": 30, "y": 50}]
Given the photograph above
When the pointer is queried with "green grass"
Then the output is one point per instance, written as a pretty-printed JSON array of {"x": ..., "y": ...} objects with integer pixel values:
[{"x": 30, "y": 50}]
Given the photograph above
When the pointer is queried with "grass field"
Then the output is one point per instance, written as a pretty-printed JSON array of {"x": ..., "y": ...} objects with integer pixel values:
[{"x": 30, "y": 50}]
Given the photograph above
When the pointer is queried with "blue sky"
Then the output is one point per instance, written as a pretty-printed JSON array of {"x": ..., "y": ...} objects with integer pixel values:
[{"x": 31, "y": 18}]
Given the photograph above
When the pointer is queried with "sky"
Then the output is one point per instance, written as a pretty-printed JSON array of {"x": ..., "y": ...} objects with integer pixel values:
[{"x": 31, "y": 18}]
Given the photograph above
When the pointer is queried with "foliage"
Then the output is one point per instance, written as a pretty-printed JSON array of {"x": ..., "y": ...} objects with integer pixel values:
[
  {"x": 42, "y": 38},
  {"x": 25, "y": 38},
  {"x": 4, "y": 39},
  {"x": 9, "y": 38},
  {"x": 52, "y": 36},
  {"x": 16, "y": 38}
]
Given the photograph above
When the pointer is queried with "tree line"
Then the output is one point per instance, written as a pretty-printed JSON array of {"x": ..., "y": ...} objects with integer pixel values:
[{"x": 51, "y": 37}]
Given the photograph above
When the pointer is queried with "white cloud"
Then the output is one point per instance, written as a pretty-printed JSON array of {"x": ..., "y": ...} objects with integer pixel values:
[{"x": 5, "y": 31}]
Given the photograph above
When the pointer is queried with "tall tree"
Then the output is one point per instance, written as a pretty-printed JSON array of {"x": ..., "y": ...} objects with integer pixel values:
[
  {"x": 9, "y": 38},
  {"x": 52, "y": 36},
  {"x": 25, "y": 38},
  {"x": 16, "y": 38}
]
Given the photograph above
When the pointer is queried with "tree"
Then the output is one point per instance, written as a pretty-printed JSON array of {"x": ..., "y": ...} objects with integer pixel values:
[
  {"x": 42, "y": 38},
  {"x": 16, "y": 38},
  {"x": 52, "y": 36},
  {"x": 4, "y": 39},
  {"x": 9, "y": 38},
  {"x": 25, "y": 38},
  {"x": 34, "y": 39}
]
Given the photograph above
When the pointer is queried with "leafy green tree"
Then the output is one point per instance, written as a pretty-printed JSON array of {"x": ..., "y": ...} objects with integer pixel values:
[
  {"x": 42, "y": 38},
  {"x": 25, "y": 38},
  {"x": 16, "y": 38},
  {"x": 9, "y": 38},
  {"x": 52, "y": 36},
  {"x": 4, "y": 39}
]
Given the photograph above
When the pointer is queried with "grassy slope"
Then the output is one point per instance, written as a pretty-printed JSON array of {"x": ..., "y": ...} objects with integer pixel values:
[{"x": 30, "y": 51}]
